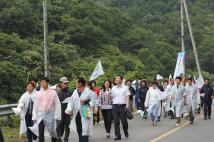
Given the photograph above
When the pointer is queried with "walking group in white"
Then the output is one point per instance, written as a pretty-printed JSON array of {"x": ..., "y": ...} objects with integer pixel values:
[
  {"x": 178, "y": 99},
  {"x": 59, "y": 111}
]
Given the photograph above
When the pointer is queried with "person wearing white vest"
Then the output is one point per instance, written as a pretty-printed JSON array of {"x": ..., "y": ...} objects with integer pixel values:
[
  {"x": 192, "y": 94},
  {"x": 152, "y": 102},
  {"x": 170, "y": 103},
  {"x": 25, "y": 105},
  {"x": 46, "y": 111},
  {"x": 80, "y": 106},
  {"x": 179, "y": 96}
]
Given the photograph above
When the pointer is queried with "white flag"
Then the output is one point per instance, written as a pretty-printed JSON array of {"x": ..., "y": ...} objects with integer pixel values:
[
  {"x": 159, "y": 77},
  {"x": 97, "y": 72},
  {"x": 199, "y": 82},
  {"x": 170, "y": 77},
  {"x": 179, "y": 69}
]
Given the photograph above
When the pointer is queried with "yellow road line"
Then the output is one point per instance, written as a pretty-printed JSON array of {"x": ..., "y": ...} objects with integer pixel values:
[{"x": 172, "y": 131}]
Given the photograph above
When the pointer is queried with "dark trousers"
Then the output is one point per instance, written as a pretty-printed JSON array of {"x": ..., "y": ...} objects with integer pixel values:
[
  {"x": 97, "y": 117},
  {"x": 42, "y": 131},
  {"x": 137, "y": 103},
  {"x": 108, "y": 118},
  {"x": 191, "y": 116},
  {"x": 29, "y": 122},
  {"x": 120, "y": 114},
  {"x": 141, "y": 104},
  {"x": 201, "y": 105},
  {"x": 161, "y": 106},
  {"x": 63, "y": 126},
  {"x": 85, "y": 139},
  {"x": 207, "y": 109},
  {"x": 1, "y": 136},
  {"x": 79, "y": 126}
]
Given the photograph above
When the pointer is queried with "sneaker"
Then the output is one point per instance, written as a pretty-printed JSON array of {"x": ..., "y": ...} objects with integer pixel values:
[
  {"x": 158, "y": 118},
  {"x": 177, "y": 124},
  {"x": 107, "y": 135},
  {"x": 117, "y": 138},
  {"x": 205, "y": 118},
  {"x": 172, "y": 117},
  {"x": 209, "y": 117}
]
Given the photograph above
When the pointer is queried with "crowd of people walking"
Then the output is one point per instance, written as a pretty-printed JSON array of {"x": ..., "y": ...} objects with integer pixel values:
[{"x": 60, "y": 110}]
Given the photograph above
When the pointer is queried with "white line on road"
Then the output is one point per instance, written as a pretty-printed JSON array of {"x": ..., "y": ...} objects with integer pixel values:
[{"x": 173, "y": 130}]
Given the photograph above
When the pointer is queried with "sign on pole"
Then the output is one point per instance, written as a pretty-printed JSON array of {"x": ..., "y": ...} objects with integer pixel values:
[{"x": 179, "y": 69}]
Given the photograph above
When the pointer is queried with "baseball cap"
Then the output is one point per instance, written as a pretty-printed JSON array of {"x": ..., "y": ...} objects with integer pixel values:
[{"x": 64, "y": 80}]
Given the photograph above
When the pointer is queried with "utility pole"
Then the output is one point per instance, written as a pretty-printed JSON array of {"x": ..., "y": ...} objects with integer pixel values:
[
  {"x": 46, "y": 50},
  {"x": 182, "y": 31},
  {"x": 192, "y": 38}
]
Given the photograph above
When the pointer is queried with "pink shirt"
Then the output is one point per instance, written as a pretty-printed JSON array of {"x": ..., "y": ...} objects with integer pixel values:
[{"x": 45, "y": 100}]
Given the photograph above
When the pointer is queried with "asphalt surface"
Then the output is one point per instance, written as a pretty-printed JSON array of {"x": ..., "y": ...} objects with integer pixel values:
[{"x": 141, "y": 130}]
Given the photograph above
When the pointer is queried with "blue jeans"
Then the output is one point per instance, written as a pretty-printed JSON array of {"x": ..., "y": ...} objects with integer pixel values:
[{"x": 154, "y": 113}]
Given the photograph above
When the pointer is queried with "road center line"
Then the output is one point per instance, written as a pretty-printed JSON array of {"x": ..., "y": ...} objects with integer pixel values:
[{"x": 172, "y": 131}]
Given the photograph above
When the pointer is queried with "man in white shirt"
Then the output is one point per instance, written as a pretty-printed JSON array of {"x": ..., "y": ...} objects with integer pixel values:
[{"x": 120, "y": 96}]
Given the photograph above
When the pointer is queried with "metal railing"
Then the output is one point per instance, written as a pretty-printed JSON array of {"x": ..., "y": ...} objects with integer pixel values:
[{"x": 6, "y": 110}]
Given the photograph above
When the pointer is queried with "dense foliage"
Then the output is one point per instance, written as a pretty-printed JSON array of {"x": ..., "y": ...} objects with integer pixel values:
[{"x": 135, "y": 38}]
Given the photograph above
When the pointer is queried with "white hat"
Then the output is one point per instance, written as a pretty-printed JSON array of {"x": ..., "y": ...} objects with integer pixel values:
[{"x": 64, "y": 80}]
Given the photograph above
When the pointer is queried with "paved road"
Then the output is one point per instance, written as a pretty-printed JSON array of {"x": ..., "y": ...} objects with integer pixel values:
[{"x": 142, "y": 131}]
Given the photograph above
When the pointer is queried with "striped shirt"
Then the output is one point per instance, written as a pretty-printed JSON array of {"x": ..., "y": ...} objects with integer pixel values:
[{"x": 105, "y": 99}]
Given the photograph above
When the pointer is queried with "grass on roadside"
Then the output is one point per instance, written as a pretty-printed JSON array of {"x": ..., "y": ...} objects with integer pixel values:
[
  {"x": 10, "y": 129},
  {"x": 12, "y": 134}
]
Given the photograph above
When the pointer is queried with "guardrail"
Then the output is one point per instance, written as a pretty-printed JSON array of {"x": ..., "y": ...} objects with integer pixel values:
[{"x": 6, "y": 110}]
